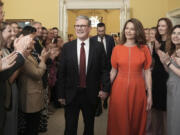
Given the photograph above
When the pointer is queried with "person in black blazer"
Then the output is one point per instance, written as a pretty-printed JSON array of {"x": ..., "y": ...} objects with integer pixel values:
[
  {"x": 38, "y": 46},
  {"x": 74, "y": 91},
  {"x": 107, "y": 41},
  {"x": 109, "y": 44}
]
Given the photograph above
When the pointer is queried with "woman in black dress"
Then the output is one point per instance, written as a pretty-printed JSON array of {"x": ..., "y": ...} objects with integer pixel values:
[{"x": 159, "y": 79}]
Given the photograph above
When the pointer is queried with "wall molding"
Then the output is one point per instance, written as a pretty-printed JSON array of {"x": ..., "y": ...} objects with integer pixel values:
[
  {"x": 85, "y": 4},
  {"x": 174, "y": 15}
]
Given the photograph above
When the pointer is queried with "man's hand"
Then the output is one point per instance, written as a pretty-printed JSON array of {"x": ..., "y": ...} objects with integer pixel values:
[
  {"x": 103, "y": 95},
  {"x": 8, "y": 61},
  {"x": 62, "y": 101}
]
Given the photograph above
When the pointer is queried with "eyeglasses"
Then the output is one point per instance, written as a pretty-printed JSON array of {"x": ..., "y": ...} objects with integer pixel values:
[{"x": 80, "y": 26}]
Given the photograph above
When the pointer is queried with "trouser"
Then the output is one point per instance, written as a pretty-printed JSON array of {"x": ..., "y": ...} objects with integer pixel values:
[
  {"x": 72, "y": 114},
  {"x": 2, "y": 120},
  {"x": 32, "y": 123}
]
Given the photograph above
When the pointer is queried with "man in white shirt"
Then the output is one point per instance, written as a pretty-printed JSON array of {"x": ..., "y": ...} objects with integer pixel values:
[{"x": 83, "y": 67}]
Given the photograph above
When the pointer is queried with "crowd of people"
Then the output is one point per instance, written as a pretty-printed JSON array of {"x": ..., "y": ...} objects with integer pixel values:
[
  {"x": 140, "y": 73},
  {"x": 29, "y": 61}
]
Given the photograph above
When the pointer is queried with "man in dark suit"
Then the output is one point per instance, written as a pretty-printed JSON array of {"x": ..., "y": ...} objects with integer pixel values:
[
  {"x": 38, "y": 42},
  {"x": 83, "y": 67},
  {"x": 106, "y": 40},
  {"x": 109, "y": 44}
]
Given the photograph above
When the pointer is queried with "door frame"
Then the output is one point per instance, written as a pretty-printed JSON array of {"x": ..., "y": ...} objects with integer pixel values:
[{"x": 64, "y": 5}]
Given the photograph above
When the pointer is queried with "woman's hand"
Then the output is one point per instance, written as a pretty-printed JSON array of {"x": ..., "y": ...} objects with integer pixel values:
[
  {"x": 177, "y": 60},
  {"x": 149, "y": 102},
  {"x": 54, "y": 52},
  {"x": 157, "y": 45},
  {"x": 178, "y": 53},
  {"x": 8, "y": 61},
  {"x": 44, "y": 55},
  {"x": 22, "y": 43},
  {"x": 164, "y": 57}
]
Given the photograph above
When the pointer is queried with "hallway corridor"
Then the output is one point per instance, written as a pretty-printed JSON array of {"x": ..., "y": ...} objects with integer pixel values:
[{"x": 56, "y": 124}]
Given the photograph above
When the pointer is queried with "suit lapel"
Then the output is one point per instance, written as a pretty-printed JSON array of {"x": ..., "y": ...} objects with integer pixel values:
[
  {"x": 97, "y": 38},
  {"x": 74, "y": 55},
  {"x": 91, "y": 52},
  {"x": 107, "y": 42}
]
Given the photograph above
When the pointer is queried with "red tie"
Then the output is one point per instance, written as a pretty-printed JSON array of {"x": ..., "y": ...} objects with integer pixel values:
[{"x": 82, "y": 67}]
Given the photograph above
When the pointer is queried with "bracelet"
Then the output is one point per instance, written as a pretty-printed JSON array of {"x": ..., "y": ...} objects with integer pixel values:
[{"x": 169, "y": 64}]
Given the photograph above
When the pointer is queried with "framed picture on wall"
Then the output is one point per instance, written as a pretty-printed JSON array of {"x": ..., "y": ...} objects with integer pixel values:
[{"x": 21, "y": 22}]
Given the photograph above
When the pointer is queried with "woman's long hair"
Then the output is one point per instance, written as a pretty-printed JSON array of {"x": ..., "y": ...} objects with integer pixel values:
[
  {"x": 171, "y": 47},
  {"x": 169, "y": 27},
  {"x": 140, "y": 38},
  {"x": 3, "y": 26}
]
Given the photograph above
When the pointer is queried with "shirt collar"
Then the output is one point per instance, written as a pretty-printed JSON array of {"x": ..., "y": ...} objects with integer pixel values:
[{"x": 86, "y": 41}]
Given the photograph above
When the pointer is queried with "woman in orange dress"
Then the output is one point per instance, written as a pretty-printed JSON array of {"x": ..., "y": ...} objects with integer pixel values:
[{"x": 129, "y": 102}]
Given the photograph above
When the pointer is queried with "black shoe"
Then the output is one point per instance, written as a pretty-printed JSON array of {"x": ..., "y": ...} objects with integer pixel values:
[
  {"x": 98, "y": 111},
  {"x": 105, "y": 104},
  {"x": 57, "y": 104},
  {"x": 43, "y": 130}
]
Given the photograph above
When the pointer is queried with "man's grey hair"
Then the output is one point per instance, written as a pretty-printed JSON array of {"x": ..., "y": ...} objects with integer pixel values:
[
  {"x": 85, "y": 18},
  {"x": 34, "y": 23}
]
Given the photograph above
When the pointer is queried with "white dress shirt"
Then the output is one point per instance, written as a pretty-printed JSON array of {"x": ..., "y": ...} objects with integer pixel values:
[
  {"x": 86, "y": 48},
  {"x": 104, "y": 42}
]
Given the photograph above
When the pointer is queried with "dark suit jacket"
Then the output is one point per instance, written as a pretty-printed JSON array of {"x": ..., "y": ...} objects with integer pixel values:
[
  {"x": 4, "y": 75},
  {"x": 97, "y": 72},
  {"x": 38, "y": 46},
  {"x": 109, "y": 47}
]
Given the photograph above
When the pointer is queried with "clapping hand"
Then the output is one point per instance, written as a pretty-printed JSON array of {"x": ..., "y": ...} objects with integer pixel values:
[
  {"x": 44, "y": 55},
  {"x": 54, "y": 52},
  {"x": 22, "y": 43},
  {"x": 8, "y": 61},
  {"x": 60, "y": 43},
  {"x": 157, "y": 45},
  {"x": 178, "y": 53},
  {"x": 177, "y": 57},
  {"x": 164, "y": 57}
]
